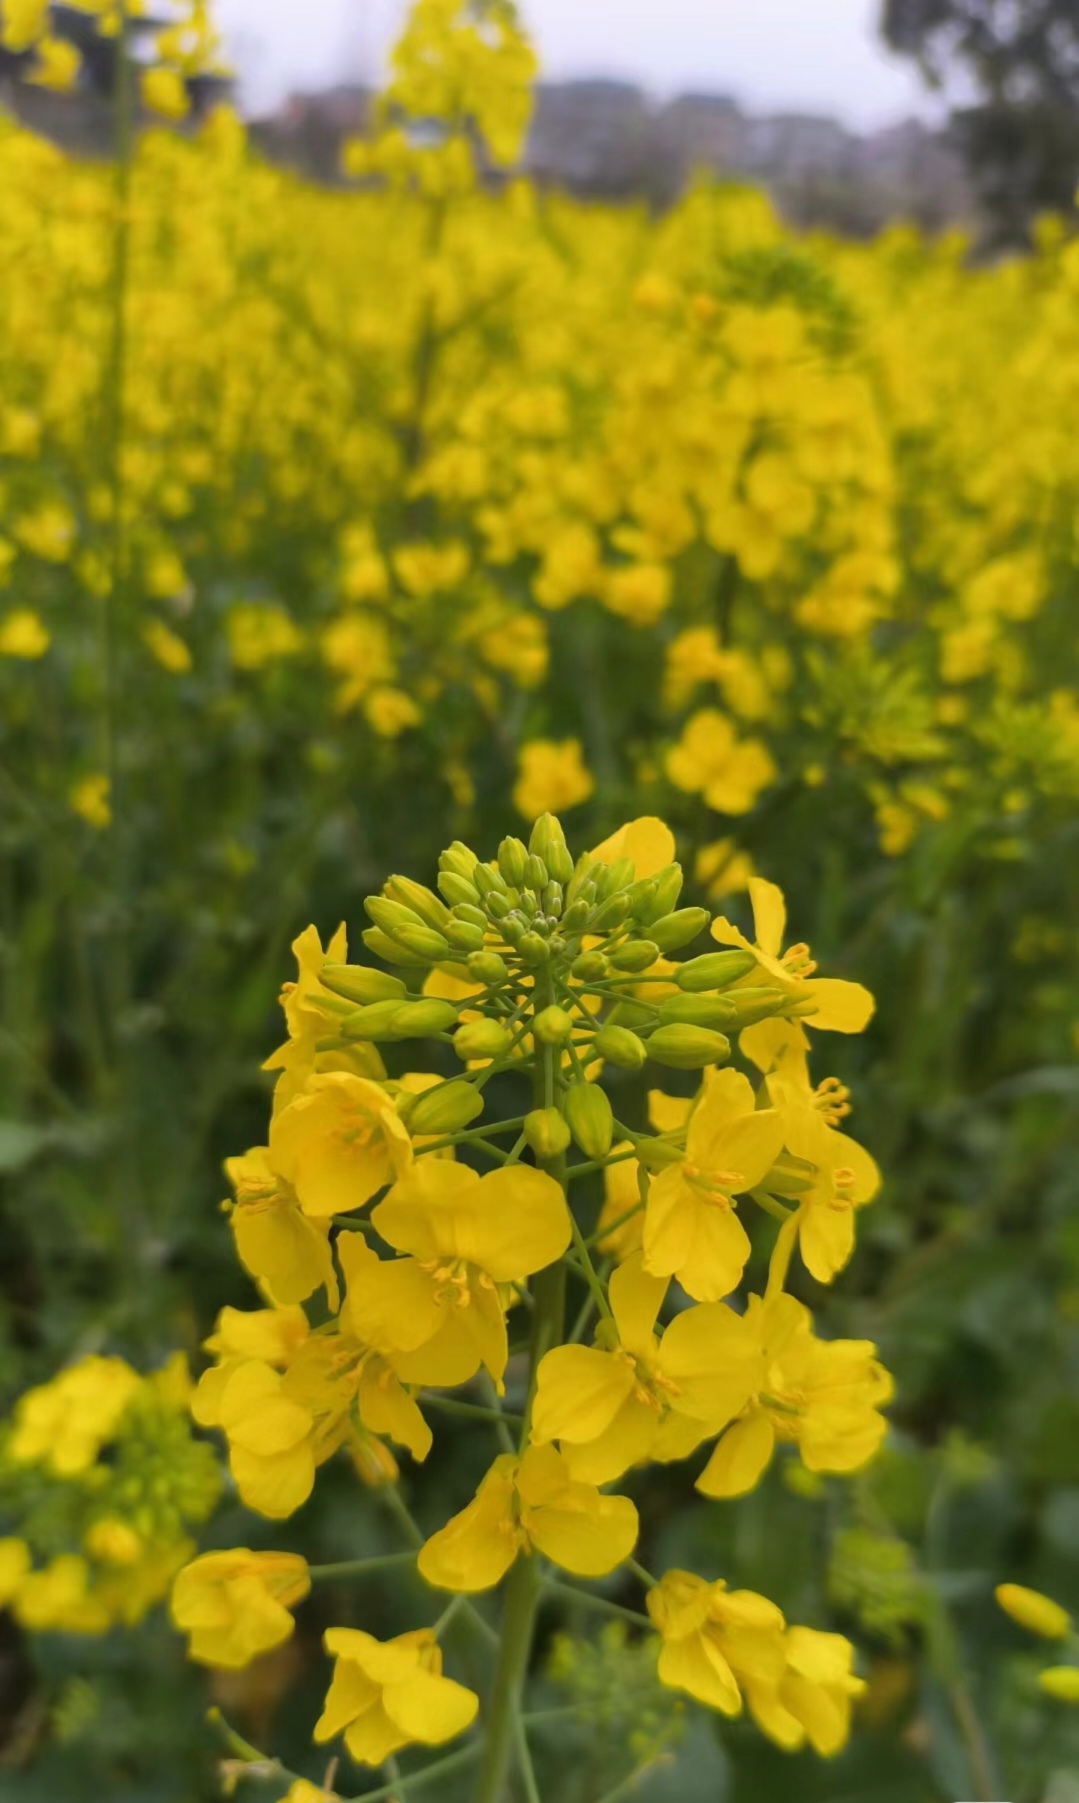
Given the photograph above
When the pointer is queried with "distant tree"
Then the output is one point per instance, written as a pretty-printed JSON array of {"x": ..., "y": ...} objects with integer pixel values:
[{"x": 1018, "y": 61}]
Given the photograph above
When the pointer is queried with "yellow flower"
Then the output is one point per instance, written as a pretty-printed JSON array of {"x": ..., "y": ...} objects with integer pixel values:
[
  {"x": 276, "y": 1242},
  {"x": 338, "y": 1142},
  {"x": 59, "y": 1599},
  {"x": 64, "y": 1424},
  {"x": 1034, "y": 1611},
  {"x": 390, "y": 712},
  {"x": 829, "y": 1002},
  {"x": 846, "y": 1178},
  {"x": 23, "y": 634},
  {"x": 386, "y": 1694},
  {"x": 824, "y": 1395},
  {"x": 166, "y": 647},
  {"x": 439, "y": 1308},
  {"x": 89, "y": 798},
  {"x": 527, "y": 1504},
  {"x": 164, "y": 91},
  {"x": 552, "y": 775},
  {"x": 259, "y": 634},
  {"x": 113, "y": 1542},
  {"x": 639, "y": 592},
  {"x": 271, "y": 1437},
  {"x": 811, "y": 1701},
  {"x": 57, "y": 64},
  {"x": 711, "y": 760},
  {"x": 1061, "y": 1682},
  {"x": 713, "y": 1637},
  {"x": 690, "y": 1228},
  {"x": 14, "y": 1565},
  {"x": 24, "y": 22},
  {"x": 639, "y": 1396},
  {"x": 723, "y": 869},
  {"x": 235, "y": 1605}
]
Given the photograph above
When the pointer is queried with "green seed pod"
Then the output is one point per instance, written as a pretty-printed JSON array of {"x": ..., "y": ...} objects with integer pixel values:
[
  {"x": 533, "y": 949},
  {"x": 422, "y": 942},
  {"x": 588, "y": 1111},
  {"x": 609, "y": 915},
  {"x": 384, "y": 947},
  {"x": 481, "y": 1039},
  {"x": 512, "y": 856},
  {"x": 676, "y": 930},
  {"x": 389, "y": 915},
  {"x": 751, "y": 1005},
  {"x": 697, "y": 1010},
  {"x": 457, "y": 889},
  {"x": 489, "y": 968},
  {"x": 552, "y": 901},
  {"x": 552, "y": 1025},
  {"x": 668, "y": 888},
  {"x": 575, "y": 916},
  {"x": 559, "y": 862},
  {"x": 546, "y": 1132},
  {"x": 419, "y": 1019},
  {"x": 636, "y": 956},
  {"x": 458, "y": 857},
  {"x": 488, "y": 881},
  {"x": 714, "y": 970},
  {"x": 445, "y": 1109},
  {"x": 614, "y": 877},
  {"x": 589, "y": 967},
  {"x": 498, "y": 906},
  {"x": 360, "y": 983},
  {"x": 537, "y": 875},
  {"x": 419, "y": 898},
  {"x": 474, "y": 916},
  {"x": 621, "y": 1047},
  {"x": 684, "y": 1048},
  {"x": 463, "y": 936},
  {"x": 630, "y": 1014}
]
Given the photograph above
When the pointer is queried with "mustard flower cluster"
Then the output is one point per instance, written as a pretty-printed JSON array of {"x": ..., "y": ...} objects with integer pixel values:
[
  {"x": 183, "y": 45},
  {"x": 104, "y": 1486},
  {"x": 435, "y": 1277}
]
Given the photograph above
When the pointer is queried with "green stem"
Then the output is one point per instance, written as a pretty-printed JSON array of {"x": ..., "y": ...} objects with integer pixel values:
[
  {"x": 590, "y": 1600},
  {"x": 473, "y": 1410},
  {"x": 442, "y": 1768},
  {"x": 356, "y": 1568},
  {"x": 589, "y": 1271}
]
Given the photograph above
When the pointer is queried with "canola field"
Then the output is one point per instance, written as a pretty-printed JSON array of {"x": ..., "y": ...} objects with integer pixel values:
[{"x": 637, "y": 1355}]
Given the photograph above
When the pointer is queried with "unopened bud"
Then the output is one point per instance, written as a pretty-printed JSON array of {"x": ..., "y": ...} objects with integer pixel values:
[
  {"x": 639, "y": 895},
  {"x": 457, "y": 888},
  {"x": 458, "y": 857},
  {"x": 559, "y": 862},
  {"x": 488, "y": 968},
  {"x": 614, "y": 877},
  {"x": 546, "y": 833},
  {"x": 463, "y": 936},
  {"x": 552, "y": 900},
  {"x": 751, "y": 1005},
  {"x": 575, "y": 916},
  {"x": 391, "y": 1020},
  {"x": 488, "y": 881},
  {"x": 612, "y": 913},
  {"x": 533, "y": 949},
  {"x": 389, "y": 915},
  {"x": 384, "y": 947},
  {"x": 636, "y": 956},
  {"x": 685, "y": 1048},
  {"x": 621, "y": 1047},
  {"x": 512, "y": 856},
  {"x": 631, "y": 1014},
  {"x": 422, "y": 942},
  {"x": 585, "y": 871},
  {"x": 474, "y": 916},
  {"x": 360, "y": 982},
  {"x": 546, "y": 1132},
  {"x": 446, "y": 1108},
  {"x": 498, "y": 906},
  {"x": 419, "y": 898},
  {"x": 589, "y": 967},
  {"x": 481, "y": 1039},
  {"x": 668, "y": 888},
  {"x": 714, "y": 970},
  {"x": 513, "y": 929},
  {"x": 678, "y": 929},
  {"x": 552, "y": 1025},
  {"x": 657, "y": 1154},
  {"x": 588, "y": 1112},
  {"x": 696, "y": 1010},
  {"x": 537, "y": 875}
]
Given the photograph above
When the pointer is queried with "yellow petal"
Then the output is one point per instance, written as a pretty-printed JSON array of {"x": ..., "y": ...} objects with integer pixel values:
[
  {"x": 476, "y": 1548},
  {"x": 587, "y": 1533},
  {"x": 274, "y": 1487},
  {"x": 516, "y": 1223},
  {"x": 738, "y": 1461},
  {"x": 839, "y": 1006},
  {"x": 386, "y": 1408},
  {"x": 826, "y": 1236},
  {"x": 717, "y": 1255},
  {"x": 636, "y": 1297},
  {"x": 714, "y": 1360},
  {"x": 579, "y": 1391},
  {"x": 430, "y": 1708},
  {"x": 769, "y": 915},
  {"x": 630, "y": 1439},
  {"x": 702, "y": 1672},
  {"x": 647, "y": 842}
]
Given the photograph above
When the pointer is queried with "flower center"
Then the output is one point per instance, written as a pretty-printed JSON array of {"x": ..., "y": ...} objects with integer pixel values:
[
  {"x": 797, "y": 961},
  {"x": 714, "y": 1186}
]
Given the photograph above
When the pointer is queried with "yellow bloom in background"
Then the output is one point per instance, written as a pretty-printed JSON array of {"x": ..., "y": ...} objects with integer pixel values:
[
  {"x": 14, "y": 1564},
  {"x": 690, "y": 1228},
  {"x": 89, "y": 799},
  {"x": 65, "y": 1423},
  {"x": 164, "y": 91},
  {"x": 260, "y": 634},
  {"x": 551, "y": 776},
  {"x": 644, "y": 1396},
  {"x": 722, "y": 869},
  {"x": 1060, "y": 1682},
  {"x": 713, "y": 1638},
  {"x": 527, "y": 1504},
  {"x": 166, "y": 647},
  {"x": 338, "y": 1142},
  {"x": 830, "y": 1003},
  {"x": 57, "y": 65},
  {"x": 48, "y": 532},
  {"x": 638, "y": 593},
  {"x": 59, "y": 1599},
  {"x": 386, "y": 1694},
  {"x": 23, "y": 634},
  {"x": 23, "y": 23},
  {"x": 811, "y": 1701},
  {"x": 235, "y": 1605},
  {"x": 390, "y": 712},
  {"x": 1034, "y": 1611},
  {"x": 278, "y": 1244},
  {"x": 711, "y": 760}
]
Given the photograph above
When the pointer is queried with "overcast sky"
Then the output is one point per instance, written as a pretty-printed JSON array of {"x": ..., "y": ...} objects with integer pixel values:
[{"x": 816, "y": 55}]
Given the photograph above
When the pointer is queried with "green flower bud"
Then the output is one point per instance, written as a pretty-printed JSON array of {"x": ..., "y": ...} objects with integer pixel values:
[
  {"x": 575, "y": 916},
  {"x": 589, "y": 967},
  {"x": 422, "y": 942},
  {"x": 552, "y": 900},
  {"x": 657, "y": 1154},
  {"x": 546, "y": 1132},
  {"x": 552, "y": 1025},
  {"x": 668, "y": 888},
  {"x": 588, "y": 1111},
  {"x": 611, "y": 914},
  {"x": 676, "y": 930},
  {"x": 685, "y": 1048},
  {"x": 559, "y": 862},
  {"x": 630, "y": 1014},
  {"x": 400, "y": 1020},
  {"x": 696, "y": 1010},
  {"x": 457, "y": 888},
  {"x": 489, "y": 968},
  {"x": 528, "y": 904},
  {"x": 513, "y": 929},
  {"x": 621, "y": 1047},
  {"x": 498, "y": 906},
  {"x": 614, "y": 877},
  {"x": 488, "y": 881},
  {"x": 558, "y": 945},
  {"x": 389, "y": 915},
  {"x": 384, "y": 947},
  {"x": 635, "y": 956},
  {"x": 360, "y": 982},
  {"x": 445, "y": 1109},
  {"x": 586, "y": 870},
  {"x": 474, "y": 916},
  {"x": 464, "y": 936},
  {"x": 714, "y": 970},
  {"x": 481, "y": 1039},
  {"x": 537, "y": 875},
  {"x": 533, "y": 949},
  {"x": 639, "y": 895},
  {"x": 751, "y": 1005},
  {"x": 458, "y": 857},
  {"x": 546, "y": 833},
  {"x": 419, "y": 898},
  {"x": 511, "y": 862}
]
